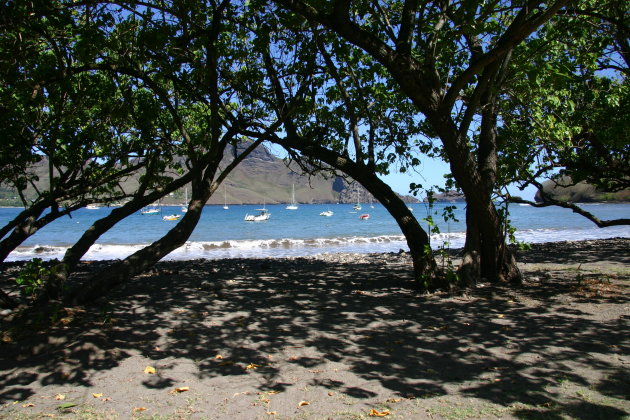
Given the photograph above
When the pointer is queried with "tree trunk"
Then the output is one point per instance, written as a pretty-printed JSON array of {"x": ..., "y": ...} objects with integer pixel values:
[
  {"x": 60, "y": 272},
  {"x": 425, "y": 268},
  {"x": 495, "y": 263},
  {"x": 469, "y": 269},
  {"x": 145, "y": 258},
  {"x": 22, "y": 229},
  {"x": 33, "y": 211}
]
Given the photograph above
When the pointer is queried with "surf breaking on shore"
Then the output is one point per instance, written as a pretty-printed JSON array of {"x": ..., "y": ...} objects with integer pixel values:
[{"x": 296, "y": 247}]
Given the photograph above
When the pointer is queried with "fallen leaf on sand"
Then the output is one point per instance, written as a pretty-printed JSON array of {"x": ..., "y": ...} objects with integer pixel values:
[
  {"x": 28, "y": 405},
  {"x": 375, "y": 413},
  {"x": 272, "y": 392},
  {"x": 252, "y": 366},
  {"x": 149, "y": 370},
  {"x": 272, "y": 413},
  {"x": 60, "y": 397},
  {"x": 218, "y": 357},
  {"x": 394, "y": 400},
  {"x": 500, "y": 316},
  {"x": 137, "y": 409},
  {"x": 97, "y": 395},
  {"x": 242, "y": 393},
  {"x": 180, "y": 389},
  {"x": 330, "y": 394},
  {"x": 303, "y": 403}
]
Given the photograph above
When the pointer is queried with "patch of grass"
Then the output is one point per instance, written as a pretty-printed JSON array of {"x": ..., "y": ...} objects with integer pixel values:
[
  {"x": 459, "y": 411},
  {"x": 79, "y": 412},
  {"x": 347, "y": 415}
]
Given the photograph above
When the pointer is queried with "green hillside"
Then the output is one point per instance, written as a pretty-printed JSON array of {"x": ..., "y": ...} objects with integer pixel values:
[
  {"x": 260, "y": 178},
  {"x": 582, "y": 192}
]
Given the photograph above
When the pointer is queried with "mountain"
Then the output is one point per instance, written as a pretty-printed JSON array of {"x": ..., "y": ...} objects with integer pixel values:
[
  {"x": 564, "y": 190},
  {"x": 448, "y": 197},
  {"x": 260, "y": 178}
]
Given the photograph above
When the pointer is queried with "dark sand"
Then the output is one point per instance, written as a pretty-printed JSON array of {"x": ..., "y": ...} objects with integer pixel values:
[{"x": 336, "y": 337}]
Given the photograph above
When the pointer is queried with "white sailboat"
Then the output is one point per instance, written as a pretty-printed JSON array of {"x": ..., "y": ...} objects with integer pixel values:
[
  {"x": 262, "y": 215},
  {"x": 185, "y": 208},
  {"x": 326, "y": 213},
  {"x": 148, "y": 211},
  {"x": 293, "y": 205},
  {"x": 225, "y": 206},
  {"x": 358, "y": 205}
]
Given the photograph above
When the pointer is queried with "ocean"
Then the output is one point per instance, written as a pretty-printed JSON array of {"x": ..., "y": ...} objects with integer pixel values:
[{"x": 288, "y": 233}]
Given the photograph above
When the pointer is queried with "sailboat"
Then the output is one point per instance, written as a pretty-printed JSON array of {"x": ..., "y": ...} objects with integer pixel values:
[
  {"x": 225, "y": 206},
  {"x": 358, "y": 205},
  {"x": 148, "y": 211},
  {"x": 293, "y": 205},
  {"x": 185, "y": 208},
  {"x": 260, "y": 217}
]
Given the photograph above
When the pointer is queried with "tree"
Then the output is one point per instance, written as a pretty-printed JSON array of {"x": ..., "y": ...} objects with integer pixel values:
[
  {"x": 192, "y": 60},
  {"x": 343, "y": 120},
  {"x": 568, "y": 104},
  {"x": 450, "y": 60},
  {"x": 83, "y": 127}
]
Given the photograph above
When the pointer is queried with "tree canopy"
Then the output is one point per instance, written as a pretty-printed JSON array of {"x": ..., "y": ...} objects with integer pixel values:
[{"x": 501, "y": 90}]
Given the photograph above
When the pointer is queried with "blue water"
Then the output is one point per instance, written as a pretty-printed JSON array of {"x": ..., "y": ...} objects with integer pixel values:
[{"x": 223, "y": 233}]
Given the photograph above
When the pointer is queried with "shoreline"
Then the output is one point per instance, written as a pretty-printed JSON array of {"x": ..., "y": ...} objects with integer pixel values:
[{"x": 453, "y": 252}]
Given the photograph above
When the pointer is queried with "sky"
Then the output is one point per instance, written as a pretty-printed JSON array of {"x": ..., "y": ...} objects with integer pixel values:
[{"x": 430, "y": 173}]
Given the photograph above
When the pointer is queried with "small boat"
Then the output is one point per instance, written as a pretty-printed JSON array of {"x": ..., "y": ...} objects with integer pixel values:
[
  {"x": 261, "y": 216},
  {"x": 410, "y": 208},
  {"x": 184, "y": 208},
  {"x": 225, "y": 206},
  {"x": 171, "y": 217},
  {"x": 358, "y": 205},
  {"x": 326, "y": 213},
  {"x": 293, "y": 205},
  {"x": 149, "y": 211},
  {"x": 364, "y": 216},
  {"x": 92, "y": 207}
]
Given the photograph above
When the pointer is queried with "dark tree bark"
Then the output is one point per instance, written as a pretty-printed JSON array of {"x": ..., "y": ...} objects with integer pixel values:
[
  {"x": 420, "y": 81},
  {"x": 203, "y": 188},
  {"x": 60, "y": 272},
  {"x": 425, "y": 271},
  {"x": 20, "y": 227},
  {"x": 142, "y": 260}
]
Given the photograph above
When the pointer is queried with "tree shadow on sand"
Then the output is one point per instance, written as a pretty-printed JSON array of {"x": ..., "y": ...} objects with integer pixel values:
[{"x": 354, "y": 329}]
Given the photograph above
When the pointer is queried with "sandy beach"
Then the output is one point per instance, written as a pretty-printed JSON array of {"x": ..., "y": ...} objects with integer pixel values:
[{"x": 340, "y": 336}]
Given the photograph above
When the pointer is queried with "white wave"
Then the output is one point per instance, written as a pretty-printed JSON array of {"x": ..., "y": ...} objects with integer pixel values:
[{"x": 287, "y": 247}]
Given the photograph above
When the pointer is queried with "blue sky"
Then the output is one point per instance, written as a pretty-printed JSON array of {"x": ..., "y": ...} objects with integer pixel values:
[{"x": 432, "y": 173}]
